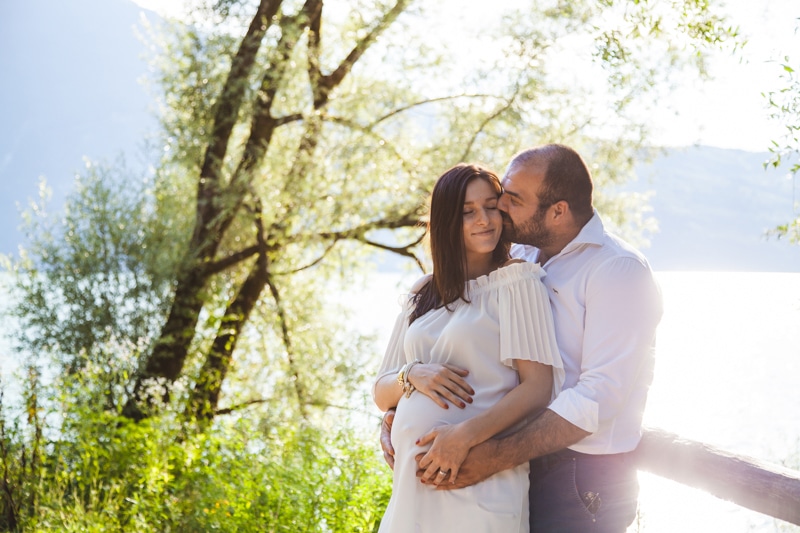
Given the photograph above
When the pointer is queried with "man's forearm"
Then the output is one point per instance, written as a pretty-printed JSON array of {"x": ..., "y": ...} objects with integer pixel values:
[{"x": 546, "y": 434}]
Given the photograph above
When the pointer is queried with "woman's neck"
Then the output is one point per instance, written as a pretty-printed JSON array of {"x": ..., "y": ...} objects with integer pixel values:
[{"x": 480, "y": 266}]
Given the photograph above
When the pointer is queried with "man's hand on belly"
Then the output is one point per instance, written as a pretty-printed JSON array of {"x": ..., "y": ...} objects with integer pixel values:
[
  {"x": 386, "y": 437},
  {"x": 482, "y": 462}
]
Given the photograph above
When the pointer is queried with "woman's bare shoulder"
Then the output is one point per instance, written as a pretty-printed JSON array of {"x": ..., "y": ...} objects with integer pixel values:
[{"x": 421, "y": 282}]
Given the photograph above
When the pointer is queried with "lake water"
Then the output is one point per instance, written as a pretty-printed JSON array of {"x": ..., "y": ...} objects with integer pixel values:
[
  {"x": 728, "y": 368},
  {"x": 728, "y": 374}
]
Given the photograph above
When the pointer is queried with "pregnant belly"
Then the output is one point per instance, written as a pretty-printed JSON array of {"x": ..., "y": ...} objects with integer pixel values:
[{"x": 418, "y": 414}]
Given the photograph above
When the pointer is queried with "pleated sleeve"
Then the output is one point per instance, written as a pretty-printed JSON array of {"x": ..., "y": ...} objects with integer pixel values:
[{"x": 526, "y": 320}]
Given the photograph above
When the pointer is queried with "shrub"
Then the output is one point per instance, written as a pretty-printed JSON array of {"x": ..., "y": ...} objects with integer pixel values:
[{"x": 105, "y": 473}]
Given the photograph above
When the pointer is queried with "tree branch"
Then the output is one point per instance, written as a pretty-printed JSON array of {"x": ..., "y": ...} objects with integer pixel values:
[
  {"x": 205, "y": 394},
  {"x": 404, "y": 221},
  {"x": 485, "y": 123},
  {"x": 263, "y": 123},
  {"x": 280, "y": 121},
  {"x": 229, "y": 103},
  {"x": 313, "y": 263},
  {"x": 233, "y": 259},
  {"x": 357, "y": 234},
  {"x": 368, "y": 131},
  {"x": 404, "y": 251},
  {"x": 313, "y": 50},
  {"x": 332, "y": 80},
  {"x": 287, "y": 343},
  {"x": 244, "y": 405},
  {"x": 429, "y": 101},
  {"x": 347, "y": 408}
]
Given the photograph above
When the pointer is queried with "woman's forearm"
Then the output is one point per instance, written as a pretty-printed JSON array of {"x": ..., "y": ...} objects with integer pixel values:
[
  {"x": 387, "y": 392},
  {"x": 529, "y": 397}
]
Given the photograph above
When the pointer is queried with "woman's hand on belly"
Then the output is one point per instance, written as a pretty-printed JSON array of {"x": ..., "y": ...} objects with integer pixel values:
[
  {"x": 442, "y": 383},
  {"x": 449, "y": 449}
]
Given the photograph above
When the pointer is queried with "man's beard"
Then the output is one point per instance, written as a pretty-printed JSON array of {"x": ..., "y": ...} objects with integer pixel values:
[{"x": 531, "y": 232}]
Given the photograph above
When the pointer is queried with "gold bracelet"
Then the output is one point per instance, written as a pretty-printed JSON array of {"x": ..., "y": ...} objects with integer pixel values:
[
  {"x": 401, "y": 376},
  {"x": 408, "y": 388}
]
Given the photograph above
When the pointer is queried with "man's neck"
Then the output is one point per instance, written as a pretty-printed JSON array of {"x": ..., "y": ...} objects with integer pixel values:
[
  {"x": 561, "y": 242},
  {"x": 544, "y": 257}
]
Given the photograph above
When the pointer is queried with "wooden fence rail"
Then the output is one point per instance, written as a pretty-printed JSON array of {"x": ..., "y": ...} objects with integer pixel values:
[{"x": 769, "y": 489}]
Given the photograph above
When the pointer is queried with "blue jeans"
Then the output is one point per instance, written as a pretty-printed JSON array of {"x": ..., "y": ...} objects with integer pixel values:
[{"x": 573, "y": 492}]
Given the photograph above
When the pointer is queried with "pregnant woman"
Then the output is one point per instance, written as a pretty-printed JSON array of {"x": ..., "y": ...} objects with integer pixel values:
[{"x": 472, "y": 354}]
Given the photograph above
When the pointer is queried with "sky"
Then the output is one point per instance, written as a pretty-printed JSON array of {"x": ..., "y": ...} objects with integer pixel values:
[
  {"x": 728, "y": 111},
  {"x": 83, "y": 118}
]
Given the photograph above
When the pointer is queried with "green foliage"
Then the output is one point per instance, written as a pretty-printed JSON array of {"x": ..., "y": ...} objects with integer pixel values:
[
  {"x": 96, "y": 274},
  {"x": 299, "y": 481},
  {"x": 326, "y": 361},
  {"x": 785, "y": 107},
  {"x": 98, "y": 471},
  {"x": 21, "y": 454}
]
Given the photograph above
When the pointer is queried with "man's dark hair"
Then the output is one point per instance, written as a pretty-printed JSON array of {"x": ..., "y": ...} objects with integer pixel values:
[{"x": 566, "y": 177}]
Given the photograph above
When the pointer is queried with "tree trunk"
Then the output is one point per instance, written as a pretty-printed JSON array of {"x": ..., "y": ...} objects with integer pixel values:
[
  {"x": 218, "y": 202},
  {"x": 205, "y": 394}
]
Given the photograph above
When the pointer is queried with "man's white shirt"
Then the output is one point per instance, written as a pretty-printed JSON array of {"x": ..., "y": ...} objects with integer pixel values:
[{"x": 606, "y": 307}]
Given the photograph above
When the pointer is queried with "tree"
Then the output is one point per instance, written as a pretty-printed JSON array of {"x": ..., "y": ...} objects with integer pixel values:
[
  {"x": 306, "y": 136},
  {"x": 785, "y": 106}
]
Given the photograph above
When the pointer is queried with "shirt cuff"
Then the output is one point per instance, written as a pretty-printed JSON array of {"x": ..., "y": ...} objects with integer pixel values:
[{"x": 578, "y": 410}]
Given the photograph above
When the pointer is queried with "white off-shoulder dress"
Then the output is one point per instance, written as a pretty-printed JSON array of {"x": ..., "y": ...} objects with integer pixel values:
[{"x": 508, "y": 317}]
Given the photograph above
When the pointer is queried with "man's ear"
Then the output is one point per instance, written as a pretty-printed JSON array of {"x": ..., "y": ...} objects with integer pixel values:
[{"x": 560, "y": 210}]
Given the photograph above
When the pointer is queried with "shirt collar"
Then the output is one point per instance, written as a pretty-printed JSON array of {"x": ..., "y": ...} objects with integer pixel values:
[{"x": 591, "y": 233}]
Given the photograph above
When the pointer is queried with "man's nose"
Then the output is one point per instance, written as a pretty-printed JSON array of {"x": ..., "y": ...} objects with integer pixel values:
[{"x": 502, "y": 202}]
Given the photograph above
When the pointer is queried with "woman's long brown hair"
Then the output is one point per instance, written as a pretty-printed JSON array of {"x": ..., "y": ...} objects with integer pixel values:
[{"x": 445, "y": 227}]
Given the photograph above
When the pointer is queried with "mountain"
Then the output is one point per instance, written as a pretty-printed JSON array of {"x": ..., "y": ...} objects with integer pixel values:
[
  {"x": 714, "y": 207},
  {"x": 71, "y": 90}
]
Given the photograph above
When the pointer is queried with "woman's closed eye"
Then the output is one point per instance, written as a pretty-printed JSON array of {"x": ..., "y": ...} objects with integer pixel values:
[{"x": 487, "y": 208}]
